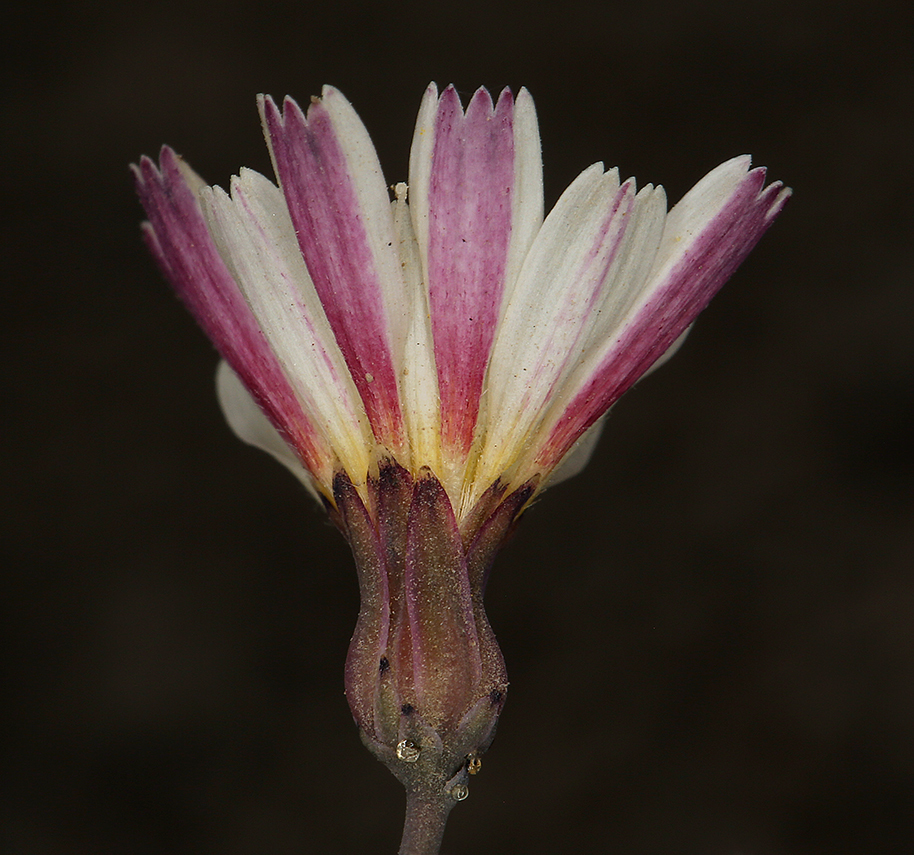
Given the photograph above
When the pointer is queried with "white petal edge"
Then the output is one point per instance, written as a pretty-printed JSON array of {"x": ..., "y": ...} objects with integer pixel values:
[
  {"x": 250, "y": 425},
  {"x": 420, "y": 165},
  {"x": 527, "y": 201},
  {"x": 579, "y": 456},
  {"x": 418, "y": 378}
]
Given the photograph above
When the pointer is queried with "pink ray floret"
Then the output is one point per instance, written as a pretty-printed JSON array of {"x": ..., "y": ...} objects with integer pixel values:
[
  {"x": 470, "y": 214},
  {"x": 337, "y": 225},
  {"x": 180, "y": 240}
]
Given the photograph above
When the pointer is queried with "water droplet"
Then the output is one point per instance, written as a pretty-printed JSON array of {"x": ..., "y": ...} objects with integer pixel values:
[
  {"x": 407, "y": 751},
  {"x": 460, "y": 792},
  {"x": 474, "y": 764}
]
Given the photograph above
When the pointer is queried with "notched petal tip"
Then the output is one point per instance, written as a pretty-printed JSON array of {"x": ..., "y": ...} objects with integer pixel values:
[
  {"x": 771, "y": 198},
  {"x": 331, "y": 102},
  {"x": 781, "y": 195},
  {"x": 450, "y": 100},
  {"x": 291, "y": 109},
  {"x": 275, "y": 117},
  {"x": 774, "y": 197},
  {"x": 333, "y": 106},
  {"x": 136, "y": 169},
  {"x": 481, "y": 102},
  {"x": 147, "y": 171},
  {"x": 168, "y": 159},
  {"x": 427, "y": 477},
  {"x": 629, "y": 187},
  {"x": 756, "y": 177},
  {"x": 171, "y": 169},
  {"x": 165, "y": 182},
  {"x": 265, "y": 102},
  {"x": 726, "y": 175}
]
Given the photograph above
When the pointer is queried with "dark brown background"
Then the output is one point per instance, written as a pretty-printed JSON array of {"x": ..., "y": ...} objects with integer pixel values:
[{"x": 710, "y": 634}]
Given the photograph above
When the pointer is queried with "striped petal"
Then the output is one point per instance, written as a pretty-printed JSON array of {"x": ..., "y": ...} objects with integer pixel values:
[
  {"x": 705, "y": 238},
  {"x": 178, "y": 236},
  {"x": 476, "y": 199},
  {"x": 255, "y": 237},
  {"x": 598, "y": 236},
  {"x": 340, "y": 208}
]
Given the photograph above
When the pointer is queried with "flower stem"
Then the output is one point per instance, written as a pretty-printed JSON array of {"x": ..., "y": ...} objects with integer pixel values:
[{"x": 426, "y": 814}]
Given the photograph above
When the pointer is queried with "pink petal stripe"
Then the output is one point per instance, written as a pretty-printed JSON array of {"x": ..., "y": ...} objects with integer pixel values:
[
  {"x": 332, "y": 227},
  {"x": 674, "y": 303},
  {"x": 470, "y": 219},
  {"x": 179, "y": 239}
]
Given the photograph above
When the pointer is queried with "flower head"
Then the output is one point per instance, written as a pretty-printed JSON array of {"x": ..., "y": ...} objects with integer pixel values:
[
  {"x": 428, "y": 364},
  {"x": 459, "y": 331}
]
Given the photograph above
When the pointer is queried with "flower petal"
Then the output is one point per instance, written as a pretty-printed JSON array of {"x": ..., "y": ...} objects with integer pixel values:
[
  {"x": 179, "y": 238},
  {"x": 598, "y": 236},
  {"x": 578, "y": 456},
  {"x": 418, "y": 377},
  {"x": 340, "y": 207},
  {"x": 706, "y": 236},
  {"x": 250, "y": 425},
  {"x": 255, "y": 237},
  {"x": 477, "y": 202}
]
